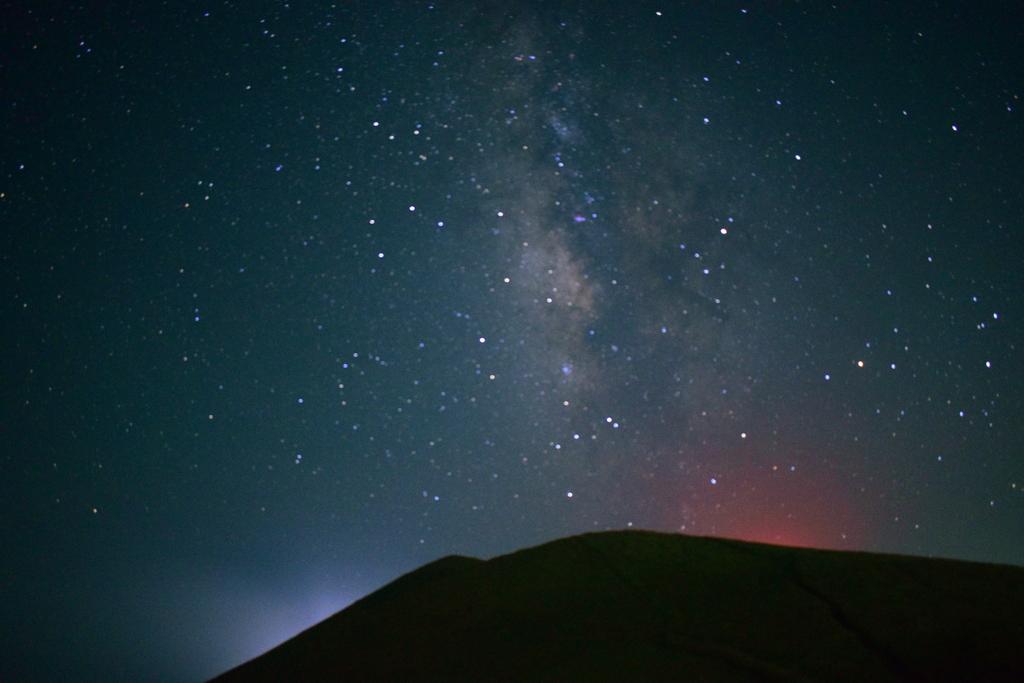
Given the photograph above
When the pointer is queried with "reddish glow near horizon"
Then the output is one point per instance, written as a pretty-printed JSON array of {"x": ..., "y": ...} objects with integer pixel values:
[
  {"x": 792, "y": 532},
  {"x": 773, "y": 510},
  {"x": 808, "y": 506}
]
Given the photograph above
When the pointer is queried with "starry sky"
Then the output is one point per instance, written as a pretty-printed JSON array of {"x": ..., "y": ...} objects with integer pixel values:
[{"x": 298, "y": 297}]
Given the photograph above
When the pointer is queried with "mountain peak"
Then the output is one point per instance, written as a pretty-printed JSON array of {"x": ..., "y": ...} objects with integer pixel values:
[{"x": 638, "y": 605}]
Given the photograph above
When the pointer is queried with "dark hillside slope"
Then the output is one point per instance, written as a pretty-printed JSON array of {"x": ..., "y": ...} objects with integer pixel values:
[{"x": 621, "y": 606}]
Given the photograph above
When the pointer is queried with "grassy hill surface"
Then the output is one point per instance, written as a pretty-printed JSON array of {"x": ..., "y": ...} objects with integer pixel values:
[{"x": 644, "y": 606}]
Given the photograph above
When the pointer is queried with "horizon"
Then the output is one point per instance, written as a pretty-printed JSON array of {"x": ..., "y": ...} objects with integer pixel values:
[{"x": 578, "y": 588}]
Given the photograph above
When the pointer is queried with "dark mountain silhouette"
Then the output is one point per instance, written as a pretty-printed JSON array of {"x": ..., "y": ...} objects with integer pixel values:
[{"x": 644, "y": 606}]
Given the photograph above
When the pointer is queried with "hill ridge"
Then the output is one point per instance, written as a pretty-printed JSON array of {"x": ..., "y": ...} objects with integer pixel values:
[{"x": 653, "y": 606}]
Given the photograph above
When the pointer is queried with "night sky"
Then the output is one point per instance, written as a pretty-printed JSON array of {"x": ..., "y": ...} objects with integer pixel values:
[{"x": 297, "y": 298}]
